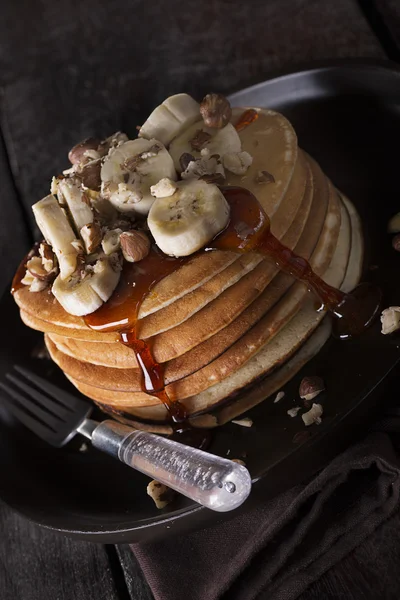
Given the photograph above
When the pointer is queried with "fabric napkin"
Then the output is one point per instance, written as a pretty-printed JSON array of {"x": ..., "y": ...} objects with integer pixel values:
[{"x": 277, "y": 549}]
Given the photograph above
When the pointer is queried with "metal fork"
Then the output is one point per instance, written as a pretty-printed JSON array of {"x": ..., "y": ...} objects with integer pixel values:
[{"x": 56, "y": 416}]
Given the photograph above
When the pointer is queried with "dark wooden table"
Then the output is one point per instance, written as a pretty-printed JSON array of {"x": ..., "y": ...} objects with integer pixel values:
[{"x": 69, "y": 69}]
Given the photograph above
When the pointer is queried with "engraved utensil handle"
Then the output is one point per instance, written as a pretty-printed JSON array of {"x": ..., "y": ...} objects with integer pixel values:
[{"x": 214, "y": 482}]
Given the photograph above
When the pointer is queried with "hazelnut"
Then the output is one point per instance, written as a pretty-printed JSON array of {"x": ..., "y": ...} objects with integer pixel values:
[
  {"x": 199, "y": 140},
  {"x": 396, "y": 242},
  {"x": 215, "y": 110},
  {"x": 91, "y": 236},
  {"x": 310, "y": 387},
  {"x": 89, "y": 175},
  {"x": 76, "y": 154},
  {"x": 185, "y": 159},
  {"x": 135, "y": 245}
]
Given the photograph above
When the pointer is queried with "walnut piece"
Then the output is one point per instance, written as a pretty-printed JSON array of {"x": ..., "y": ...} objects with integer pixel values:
[
  {"x": 390, "y": 319},
  {"x": 91, "y": 236},
  {"x": 160, "y": 493},
  {"x": 89, "y": 174},
  {"x": 164, "y": 188},
  {"x": 200, "y": 139},
  {"x": 313, "y": 415},
  {"x": 49, "y": 259},
  {"x": 215, "y": 110},
  {"x": 264, "y": 177},
  {"x": 185, "y": 159},
  {"x": 237, "y": 162},
  {"x": 135, "y": 245}
]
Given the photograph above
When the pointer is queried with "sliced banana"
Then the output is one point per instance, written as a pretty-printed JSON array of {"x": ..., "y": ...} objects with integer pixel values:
[
  {"x": 81, "y": 297},
  {"x": 169, "y": 119},
  {"x": 185, "y": 222},
  {"x": 223, "y": 141},
  {"x": 57, "y": 231},
  {"x": 129, "y": 171},
  {"x": 81, "y": 213}
]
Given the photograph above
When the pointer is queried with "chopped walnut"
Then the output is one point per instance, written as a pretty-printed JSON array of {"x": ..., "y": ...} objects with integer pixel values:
[
  {"x": 390, "y": 319},
  {"x": 200, "y": 139},
  {"x": 164, "y": 188},
  {"x": 313, "y": 415},
  {"x": 203, "y": 166},
  {"x": 264, "y": 177},
  {"x": 160, "y": 493}
]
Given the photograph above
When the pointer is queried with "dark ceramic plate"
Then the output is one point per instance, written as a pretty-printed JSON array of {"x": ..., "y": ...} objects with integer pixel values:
[{"x": 348, "y": 117}]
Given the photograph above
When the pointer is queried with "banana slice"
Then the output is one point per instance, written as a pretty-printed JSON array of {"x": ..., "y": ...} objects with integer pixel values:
[
  {"x": 70, "y": 191},
  {"x": 169, "y": 119},
  {"x": 222, "y": 141},
  {"x": 183, "y": 223},
  {"x": 57, "y": 232},
  {"x": 131, "y": 169},
  {"x": 81, "y": 297}
]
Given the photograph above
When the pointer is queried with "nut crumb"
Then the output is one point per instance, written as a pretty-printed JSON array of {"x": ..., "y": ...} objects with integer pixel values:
[
  {"x": 237, "y": 162},
  {"x": 264, "y": 177},
  {"x": 246, "y": 422},
  {"x": 313, "y": 415},
  {"x": 164, "y": 188},
  {"x": 292, "y": 412},
  {"x": 279, "y": 397}
]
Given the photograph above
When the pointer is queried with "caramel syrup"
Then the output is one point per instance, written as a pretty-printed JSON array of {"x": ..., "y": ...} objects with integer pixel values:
[
  {"x": 248, "y": 230},
  {"x": 246, "y": 119},
  {"x": 121, "y": 312}
]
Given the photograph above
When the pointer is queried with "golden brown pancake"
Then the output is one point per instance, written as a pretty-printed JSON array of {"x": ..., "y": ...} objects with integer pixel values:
[{"x": 223, "y": 321}]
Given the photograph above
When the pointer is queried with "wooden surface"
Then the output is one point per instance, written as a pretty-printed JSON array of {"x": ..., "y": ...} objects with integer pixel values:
[{"x": 71, "y": 69}]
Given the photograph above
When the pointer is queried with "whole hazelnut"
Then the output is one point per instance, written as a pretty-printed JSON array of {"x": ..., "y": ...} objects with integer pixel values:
[
  {"x": 135, "y": 245},
  {"x": 76, "y": 154},
  {"x": 310, "y": 387},
  {"x": 215, "y": 110}
]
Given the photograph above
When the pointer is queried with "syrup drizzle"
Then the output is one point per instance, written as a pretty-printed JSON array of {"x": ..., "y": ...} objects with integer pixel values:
[{"x": 248, "y": 230}]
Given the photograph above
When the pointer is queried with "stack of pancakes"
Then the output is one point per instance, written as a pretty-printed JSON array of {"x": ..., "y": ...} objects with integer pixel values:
[{"x": 231, "y": 329}]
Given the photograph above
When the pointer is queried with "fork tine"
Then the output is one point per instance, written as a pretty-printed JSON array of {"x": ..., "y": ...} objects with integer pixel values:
[
  {"x": 29, "y": 405},
  {"x": 68, "y": 400},
  {"x": 41, "y": 429},
  {"x": 51, "y": 406}
]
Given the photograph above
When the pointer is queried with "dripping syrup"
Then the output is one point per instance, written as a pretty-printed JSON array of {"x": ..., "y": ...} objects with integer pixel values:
[
  {"x": 121, "y": 312},
  {"x": 248, "y": 230}
]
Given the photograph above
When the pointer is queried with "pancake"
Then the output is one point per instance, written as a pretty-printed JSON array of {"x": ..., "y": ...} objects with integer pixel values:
[
  {"x": 238, "y": 354},
  {"x": 229, "y": 329}
]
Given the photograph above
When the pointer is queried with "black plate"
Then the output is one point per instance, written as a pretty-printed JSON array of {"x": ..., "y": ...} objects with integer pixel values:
[{"x": 348, "y": 117}]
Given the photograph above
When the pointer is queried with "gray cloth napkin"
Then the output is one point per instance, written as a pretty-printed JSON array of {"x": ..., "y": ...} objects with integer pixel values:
[{"x": 276, "y": 550}]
